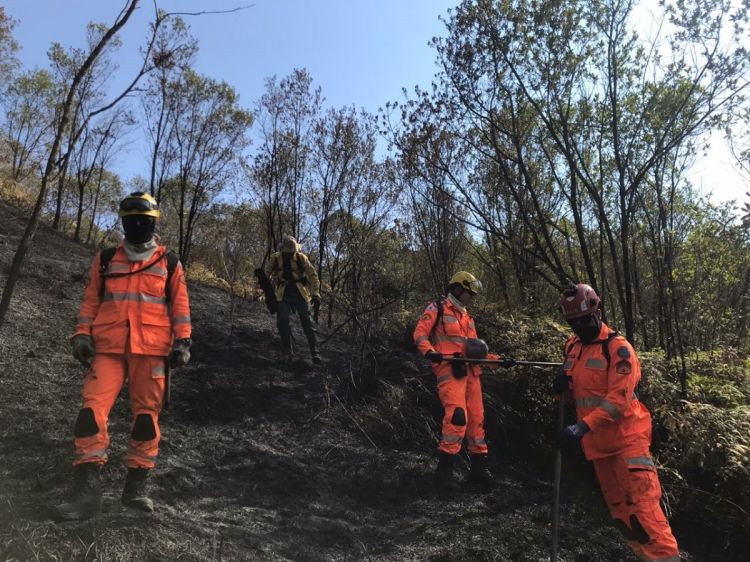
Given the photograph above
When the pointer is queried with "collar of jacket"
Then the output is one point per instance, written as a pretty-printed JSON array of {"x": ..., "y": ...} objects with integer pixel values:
[
  {"x": 457, "y": 304},
  {"x": 140, "y": 252}
]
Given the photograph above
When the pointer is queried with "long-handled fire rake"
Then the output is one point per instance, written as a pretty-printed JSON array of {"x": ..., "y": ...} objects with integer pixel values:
[{"x": 450, "y": 359}]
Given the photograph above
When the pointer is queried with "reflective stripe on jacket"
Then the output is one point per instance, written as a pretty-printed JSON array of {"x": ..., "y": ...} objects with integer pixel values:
[
  {"x": 604, "y": 393},
  {"x": 275, "y": 272},
  {"x": 133, "y": 311}
]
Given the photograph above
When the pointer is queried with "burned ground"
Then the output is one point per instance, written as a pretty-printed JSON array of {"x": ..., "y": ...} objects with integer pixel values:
[{"x": 260, "y": 459}]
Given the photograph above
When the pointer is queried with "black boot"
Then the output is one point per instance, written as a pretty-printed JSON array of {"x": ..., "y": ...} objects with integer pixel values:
[
  {"x": 286, "y": 344},
  {"x": 134, "y": 494},
  {"x": 313, "y": 343},
  {"x": 480, "y": 475},
  {"x": 444, "y": 475},
  {"x": 87, "y": 493}
]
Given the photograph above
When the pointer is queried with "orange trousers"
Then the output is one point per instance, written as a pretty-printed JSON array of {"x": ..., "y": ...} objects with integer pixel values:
[
  {"x": 632, "y": 491},
  {"x": 103, "y": 382},
  {"x": 464, "y": 413}
]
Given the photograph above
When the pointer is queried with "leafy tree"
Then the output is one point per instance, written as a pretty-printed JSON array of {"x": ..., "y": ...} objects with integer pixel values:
[
  {"x": 343, "y": 142},
  {"x": 29, "y": 101},
  {"x": 89, "y": 95},
  {"x": 107, "y": 192},
  {"x": 174, "y": 53},
  {"x": 286, "y": 115},
  {"x": 8, "y": 47},
  {"x": 209, "y": 136},
  {"x": 90, "y": 157}
]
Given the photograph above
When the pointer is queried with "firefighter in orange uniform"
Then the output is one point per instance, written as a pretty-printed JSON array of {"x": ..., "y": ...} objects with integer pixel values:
[
  {"x": 614, "y": 428},
  {"x": 447, "y": 329},
  {"x": 134, "y": 323}
]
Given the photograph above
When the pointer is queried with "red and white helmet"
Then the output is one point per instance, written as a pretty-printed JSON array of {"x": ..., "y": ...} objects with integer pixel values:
[{"x": 579, "y": 301}]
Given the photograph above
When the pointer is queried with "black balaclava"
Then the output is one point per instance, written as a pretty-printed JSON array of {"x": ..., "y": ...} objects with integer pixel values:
[
  {"x": 139, "y": 229},
  {"x": 587, "y": 327}
]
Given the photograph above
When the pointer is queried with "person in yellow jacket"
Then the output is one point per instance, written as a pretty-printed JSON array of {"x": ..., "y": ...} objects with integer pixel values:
[
  {"x": 446, "y": 329},
  {"x": 133, "y": 324},
  {"x": 297, "y": 285}
]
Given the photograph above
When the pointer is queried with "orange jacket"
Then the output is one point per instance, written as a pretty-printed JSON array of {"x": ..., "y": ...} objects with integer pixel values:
[
  {"x": 449, "y": 335},
  {"x": 604, "y": 394},
  {"x": 133, "y": 313}
]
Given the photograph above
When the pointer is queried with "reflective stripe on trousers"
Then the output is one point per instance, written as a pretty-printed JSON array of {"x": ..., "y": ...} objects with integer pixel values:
[
  {"x": 639, "y": 461},
  {"x": 98, "y": 454}
]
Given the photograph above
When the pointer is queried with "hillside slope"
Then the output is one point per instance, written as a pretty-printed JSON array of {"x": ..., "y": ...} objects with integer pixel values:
[{"x": 260, "y": 459}]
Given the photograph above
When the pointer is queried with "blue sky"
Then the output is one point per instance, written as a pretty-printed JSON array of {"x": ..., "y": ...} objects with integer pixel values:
[{"x": 361, "y": 52}]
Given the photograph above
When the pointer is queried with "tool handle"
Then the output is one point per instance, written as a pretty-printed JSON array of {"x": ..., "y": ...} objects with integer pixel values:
[
  {"x": 167, "y": 385},
  {"x": 497, "y": 362},
  {"x": 558, "y": 474}
]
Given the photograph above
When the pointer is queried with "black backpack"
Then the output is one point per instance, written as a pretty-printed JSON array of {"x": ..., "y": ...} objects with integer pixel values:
[{"x": 108, "y": 253}]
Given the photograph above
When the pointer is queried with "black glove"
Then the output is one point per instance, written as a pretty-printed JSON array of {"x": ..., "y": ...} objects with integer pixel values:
[
  {"x": 180, "y": 354},
  {"x": 577, "y": 430},
  {"x": 561, "y": 384},
  {"x": 434, "y": 356},
  {"x": 570, "y": 440},
  {"x": 507, "y": 362},
  {"x": 315, "y": 301},
  {"x": 83, "y": 349}
]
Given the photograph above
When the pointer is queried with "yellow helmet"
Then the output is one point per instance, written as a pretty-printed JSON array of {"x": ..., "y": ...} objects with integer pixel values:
[
  {"x": 467, "y": 281},
  {"x": 139, "y": 203}
]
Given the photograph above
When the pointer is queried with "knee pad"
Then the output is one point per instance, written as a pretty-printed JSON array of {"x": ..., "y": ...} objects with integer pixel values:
[
  {"x": 639, "y": 532},
  {"x": 459, "y": 417},
  {"x": 143, "y": 428},
  {"x": 621, "y": 526},
  {"x": 634, "y": 533},
  {"x": 86, "y": 424}
]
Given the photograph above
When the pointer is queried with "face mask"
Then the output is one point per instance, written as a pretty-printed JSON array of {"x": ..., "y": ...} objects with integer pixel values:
[
  {"x": 587, "y": 328},
  {"x": 138, "y": 228}
]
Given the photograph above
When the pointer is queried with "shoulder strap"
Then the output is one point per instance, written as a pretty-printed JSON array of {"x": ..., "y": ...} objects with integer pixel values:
[
  {"x": 439, "y": 304},
  {"x": 172, "y": 260},
  {"x": 605, "y": 345},
  {"x": 105, "y": 257},
  {"x": 300, "y": 264}
]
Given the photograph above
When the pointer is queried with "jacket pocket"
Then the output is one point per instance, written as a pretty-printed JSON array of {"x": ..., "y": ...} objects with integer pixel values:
[
  {"x": 154, "y": 282},
  {"x": 595, "y": 378},
  {"x": 108, "y": 334},
  {"x": 157, "y": 332}
]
